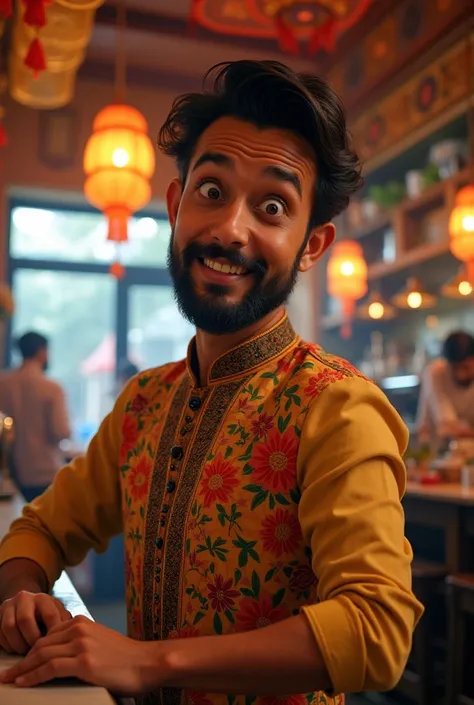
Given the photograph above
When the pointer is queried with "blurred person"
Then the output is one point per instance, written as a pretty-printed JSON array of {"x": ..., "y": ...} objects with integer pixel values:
[
  {"x": 446, "y": 406},
  {"x": 258, "y": 483},
  {"x": 38, "y": 406}
]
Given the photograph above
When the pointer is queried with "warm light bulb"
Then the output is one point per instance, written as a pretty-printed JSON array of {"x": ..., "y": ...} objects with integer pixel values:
[
  {"x": 414, "y": 299},
  {"x": 468, "y": 223},
  {"x": 376, "y": 310},
  {"x": 347, "y": 268},
  {"x": 464, "y": 288},
  {"x": 120, "y": 157}
]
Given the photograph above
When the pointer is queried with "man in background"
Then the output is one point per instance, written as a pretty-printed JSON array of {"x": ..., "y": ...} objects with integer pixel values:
[
  {"x": 38, "y": 408},
  {"x": 446, "y": 407}
]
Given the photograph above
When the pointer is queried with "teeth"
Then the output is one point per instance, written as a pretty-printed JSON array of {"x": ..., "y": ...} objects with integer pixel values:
[{"x": 224, "y": 268}]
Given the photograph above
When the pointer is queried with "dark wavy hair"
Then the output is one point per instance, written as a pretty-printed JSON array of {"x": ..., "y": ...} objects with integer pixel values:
[{"x": 268, "y": 94}]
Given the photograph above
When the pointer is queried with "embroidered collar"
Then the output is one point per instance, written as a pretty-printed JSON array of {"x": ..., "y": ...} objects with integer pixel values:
[{"x": 250, "y": 354}]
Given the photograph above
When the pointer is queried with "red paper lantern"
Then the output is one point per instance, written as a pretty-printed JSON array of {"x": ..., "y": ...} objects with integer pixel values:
[
  {"x": 347, "y": 278},
  {"x": 461, "y": 229}
]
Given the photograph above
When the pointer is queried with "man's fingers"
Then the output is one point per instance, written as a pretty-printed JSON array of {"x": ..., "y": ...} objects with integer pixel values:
[
  {"x": 11, "y": 632},
  {"x": 48, "y": 611},
  {"x": 26, "y": 621},
  {"x": 56, "y": 668}
]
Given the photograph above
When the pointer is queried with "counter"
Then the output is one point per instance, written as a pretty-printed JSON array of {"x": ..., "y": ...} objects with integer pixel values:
[
  {"x": 53, "y": 694},
  {"x": 451, "y": 492}
]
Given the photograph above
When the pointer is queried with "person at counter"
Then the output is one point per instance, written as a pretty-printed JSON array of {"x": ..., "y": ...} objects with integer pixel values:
[
  {"x": 38, "y": 406},
  {"x": 257, "y": 482},
  {"x": 446, "y": 407}
]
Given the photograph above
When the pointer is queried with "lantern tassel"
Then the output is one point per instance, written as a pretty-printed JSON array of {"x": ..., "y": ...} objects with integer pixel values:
[
  {"x": 35, "y": 13},
  {"x": 323, "y": 38},
  {"x": 3, "y": 136},
  {"x": 35, "y": 58},
  {"x": 117, "y": 270},
  {"x": 5, "y": 8},
  {"x": 286, "y": 38}
]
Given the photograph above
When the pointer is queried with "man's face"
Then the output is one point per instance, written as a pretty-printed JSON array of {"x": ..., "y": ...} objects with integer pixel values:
[
  {"x": 463, "y": 372},
  {"x": 240, "y": 223}
]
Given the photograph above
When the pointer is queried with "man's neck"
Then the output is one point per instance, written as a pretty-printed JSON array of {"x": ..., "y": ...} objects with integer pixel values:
[
  {"x": 32, "y": 365},
  {"x": 210, "y": 347}
]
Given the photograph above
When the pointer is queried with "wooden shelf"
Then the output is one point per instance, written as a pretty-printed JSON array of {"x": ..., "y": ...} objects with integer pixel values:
[{"x": 408, "y": 259}]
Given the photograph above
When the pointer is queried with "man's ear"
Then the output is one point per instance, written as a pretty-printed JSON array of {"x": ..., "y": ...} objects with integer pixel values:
[
  {"x": 319, "y": 240},
  {"x": 173, "y": 199}
]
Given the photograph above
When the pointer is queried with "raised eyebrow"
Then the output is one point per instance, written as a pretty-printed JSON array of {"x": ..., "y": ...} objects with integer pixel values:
[
  {"x": 214, "y": 158},
  {"x": 286, "y": 175}
]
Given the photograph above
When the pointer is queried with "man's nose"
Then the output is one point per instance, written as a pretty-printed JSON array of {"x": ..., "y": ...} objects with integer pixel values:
[{"x": 231, "y": 225}]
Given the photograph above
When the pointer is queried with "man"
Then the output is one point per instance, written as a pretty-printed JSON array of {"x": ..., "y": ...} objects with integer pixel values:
[
  {"x": 258, "y": 482},
  {"x": 38, "y": 407},
  {"x": 446, "y": 407}
]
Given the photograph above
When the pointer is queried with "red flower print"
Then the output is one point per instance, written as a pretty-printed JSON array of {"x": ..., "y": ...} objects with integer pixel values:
[
  {"x": 274, "y": 461},
  {"x": 243, "y": 406},
  {"x": 254, "y": 614},
  {"x": 194, "y": 561},
  {"x": 139, "y": 404},
  {"x": 219, "y": 481},
  {"x": 283, "y": 700},
  {"x": 221, "y": 595},
  {"x": 285, "y": 365},
  {"x": 280, "y": 533},
  {"x": 319, "y": 382},
  {"x": 198, "y": 698},
  {"x": 262, "y": 425},
  {"x": 186, "y": 632},
  {"x": 138, "y": 478},
  {"x": 302, "y": 578},
  {"x": 174, "y": 372},
  {"x": 129, "y": 436}
]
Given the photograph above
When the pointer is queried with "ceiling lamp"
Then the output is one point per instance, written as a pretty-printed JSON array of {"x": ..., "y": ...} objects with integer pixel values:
[
  {"x": 376, "y": 309},
  {"x": 347, "y": 278},
  {"x": 119, "y": 161},
  {"x": 317, "y": 23},
  {"x": 458, "y": 287},
  {"x": 414, "y": 296},
  {"x": 461, "y": 229}
]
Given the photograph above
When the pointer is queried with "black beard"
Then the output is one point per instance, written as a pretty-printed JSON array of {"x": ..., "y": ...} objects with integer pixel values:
[{"x": 210, "y": 313}]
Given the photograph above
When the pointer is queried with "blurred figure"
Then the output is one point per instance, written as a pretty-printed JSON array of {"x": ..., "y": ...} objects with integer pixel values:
[
  {"x": 38, "y": 406},
  {"x": 446, "y": 407},
  {"x": 126, "y": 370}
]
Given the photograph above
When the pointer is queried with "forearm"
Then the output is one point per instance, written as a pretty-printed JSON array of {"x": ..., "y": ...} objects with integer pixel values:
[
  {"x": 281, "y": 659},
  {"x": 21, "y": 574}
]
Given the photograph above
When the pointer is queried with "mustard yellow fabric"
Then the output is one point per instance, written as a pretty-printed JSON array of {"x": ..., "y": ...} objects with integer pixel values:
[{"x": 273, "y": 489}]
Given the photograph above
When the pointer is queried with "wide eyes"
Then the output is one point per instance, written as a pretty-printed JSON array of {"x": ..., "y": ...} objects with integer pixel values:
[{"x": 273, "y": 207}]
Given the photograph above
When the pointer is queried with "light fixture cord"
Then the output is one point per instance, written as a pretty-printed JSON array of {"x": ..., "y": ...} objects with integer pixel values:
[{"x": 121, "y": 53}]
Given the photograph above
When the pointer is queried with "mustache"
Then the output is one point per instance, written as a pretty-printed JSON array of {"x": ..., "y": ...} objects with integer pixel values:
[{"x": 195, "y": 251}]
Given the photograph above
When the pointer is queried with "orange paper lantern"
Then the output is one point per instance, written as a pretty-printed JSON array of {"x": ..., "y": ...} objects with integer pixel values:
[
  {"x": 119, "y": 161},
  {"x": 461, "y": 229},
  {"x": 347, "y": 278}
]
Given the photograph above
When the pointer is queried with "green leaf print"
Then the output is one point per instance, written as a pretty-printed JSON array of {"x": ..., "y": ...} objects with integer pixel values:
[
  {"x": 298, "y": 431},
  {"x": 247, "y": 592},
  {"x": 250, "y": 699},
  {"x": 215, "y": 548},
  {"x": 230, "y": 699},
  {"x": 291, "y": 390},
  {"x": 270, "y": 574},
  {"x": 255, "y": 584},
  {"x": 252, "y": 488},
  {"x": 124, "y": 469},
  {"x": 307, "y": 366},
  {"x": 281, "y": 499},
  {"x": 238, "y": 575},
  {"x": 188, "y": 546},
  {"x": 271, "y": 502},
  {"x": 232, "y": 428},
  {"x": 246, "y": 550},
  {"x": 228, "y": 452},
  {"x": 142, "y": 511},
  {"x": 217, "y": 623},
  {"x": 295, "y": 495},
  {"x": 230, "y": 616},
  {"x": 283, "y": 422},
  {"x": 259, "y": 499},
  {"x": 277, "y": 598},
  {"x": 143, "y": 381},
  {"x": 198, "y": 616},
  {"x": 270, "y": 375},
  {"x": 248, "y": 469}
]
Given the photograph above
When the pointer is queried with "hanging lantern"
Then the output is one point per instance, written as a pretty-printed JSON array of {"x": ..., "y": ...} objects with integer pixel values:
[
  {"x": 375, "y": 308},
  {"x": 414, "y": 296},
  {"x": 459, "y": 286},
  {"x": 119, "y": 161},
  {"x": 347, "y": 278},
  {"x": 461, "y": 229}
]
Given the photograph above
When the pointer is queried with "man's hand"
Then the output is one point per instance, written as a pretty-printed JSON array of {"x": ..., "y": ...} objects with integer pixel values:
[
  {"x": 83, "y": 649},
  {"x": 22, "y": 617}
]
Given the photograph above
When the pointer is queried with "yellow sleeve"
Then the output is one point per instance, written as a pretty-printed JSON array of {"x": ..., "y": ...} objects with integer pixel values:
[
  {"x": 352, "y": 478},
  {"x": 79, "y": 511}
]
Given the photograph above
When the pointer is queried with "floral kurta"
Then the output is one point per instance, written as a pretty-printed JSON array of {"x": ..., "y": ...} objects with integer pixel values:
[{"x": 209, "y": 485}]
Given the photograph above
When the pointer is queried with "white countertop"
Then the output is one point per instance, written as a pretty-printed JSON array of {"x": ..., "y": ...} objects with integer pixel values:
[{"x": 72, "y": 694}]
